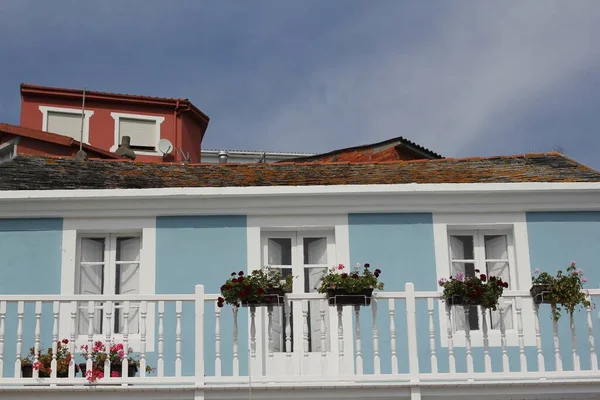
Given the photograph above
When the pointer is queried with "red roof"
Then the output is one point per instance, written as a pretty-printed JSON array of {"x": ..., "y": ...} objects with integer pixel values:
[
  {"x": 54, "y": 138},
  {"x": 27, "y": 88}
]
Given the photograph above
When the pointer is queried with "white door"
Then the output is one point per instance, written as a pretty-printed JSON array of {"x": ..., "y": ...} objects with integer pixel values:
[{"x": 300, "y": 337}]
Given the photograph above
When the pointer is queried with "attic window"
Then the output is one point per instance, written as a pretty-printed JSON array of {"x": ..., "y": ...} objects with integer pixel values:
[
  {"x": 144, "y": 131},
  {"x": 66, "y": 122},
  {"x": 8, "y": 150}
]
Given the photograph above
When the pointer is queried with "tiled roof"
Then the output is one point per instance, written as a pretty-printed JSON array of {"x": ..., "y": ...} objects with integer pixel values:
[
  {"x": 54, "y": 138},
  {"x": 369, "y": 152},
  {"x": 31, "y": 173}
]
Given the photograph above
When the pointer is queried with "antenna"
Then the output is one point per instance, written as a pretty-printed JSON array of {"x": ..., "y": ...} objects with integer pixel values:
[
  {"x": 165, "y": 146},
  {"x": 82, "y": 121}
]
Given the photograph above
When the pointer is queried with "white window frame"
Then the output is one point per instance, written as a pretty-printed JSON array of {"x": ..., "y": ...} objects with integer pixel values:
[
  {"x": 513, "y": 224},
  {"x": 10, "y": 147},
  {"x": 157, "y": 120},
  {"x": 73, "y": 230},
  {"x": 86, "y": 120}
]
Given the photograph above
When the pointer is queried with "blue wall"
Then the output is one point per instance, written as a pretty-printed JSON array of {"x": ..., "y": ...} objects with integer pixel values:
[
  {"x": 401, "y": 245},
  {"x": 30, "y": 264},
  {"x": 556, "y": 238},
  {"x": 195, "y": 250}
]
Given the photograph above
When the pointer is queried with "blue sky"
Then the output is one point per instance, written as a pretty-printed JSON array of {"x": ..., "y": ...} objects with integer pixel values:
[{"x": 464, "y": 78}]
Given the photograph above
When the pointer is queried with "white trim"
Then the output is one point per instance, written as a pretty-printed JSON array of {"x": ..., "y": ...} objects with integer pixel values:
[
  {"x": 86, "y": 120},
  {"x": 72, "y": 227},
  {"x": 517, "y": 223},
  {"x": 303, "y": 200},
  {"x": 10, "y": 146},
  {"x": 158, "y": 120}
]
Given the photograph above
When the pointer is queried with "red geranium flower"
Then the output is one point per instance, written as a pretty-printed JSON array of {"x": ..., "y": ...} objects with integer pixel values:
[{"x": 482, "y": 277}]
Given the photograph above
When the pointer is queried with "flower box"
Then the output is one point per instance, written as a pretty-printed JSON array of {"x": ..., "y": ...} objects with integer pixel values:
[
  {"x": 27, "y": 372},
  {"x": 273, "y": 296},
  {"x": 540, "y": 293},
  {"x": 340, "y": 297},
  {"x": 115, "y": 370},
  {"x": 461, "y": 301}
]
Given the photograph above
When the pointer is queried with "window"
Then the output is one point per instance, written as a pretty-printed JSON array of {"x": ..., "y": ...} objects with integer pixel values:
[
  {"x": 66, "y": 122},
  {"x": 8, "y": 150},
  {"x": 143, "y": 130},
  {"x": 108, "y": 264},
  {"x": 486, "y": 252}
]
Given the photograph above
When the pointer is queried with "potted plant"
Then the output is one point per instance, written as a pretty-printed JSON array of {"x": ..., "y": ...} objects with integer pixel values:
[
  {"x": 476, "y": 290},
  {"x": 354, "y": 288},
  {"x": 263, "y": 287},
  {"x": 44, "y": 363},
  {"x": 563, "y": 291},
  {"x": 115, "y": 356}
]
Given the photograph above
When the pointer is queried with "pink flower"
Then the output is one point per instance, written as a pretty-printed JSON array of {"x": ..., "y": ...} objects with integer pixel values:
[
  {"x": 120, "y": 346},
  {"x": 114, "y": 374},
  {"x": 36, "y": 365},
  {"x": 584, "y": 279},
  {"x": 442, "y": 281},
  {"x": 121, "y": 353},
  {"x": 536, "y": 271},
  {"x": 460, "y": 276},
  {"x": 340, "y": 267}
]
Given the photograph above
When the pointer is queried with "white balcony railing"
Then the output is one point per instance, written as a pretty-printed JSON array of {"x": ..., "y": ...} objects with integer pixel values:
[{"x": 398, "y": 340}]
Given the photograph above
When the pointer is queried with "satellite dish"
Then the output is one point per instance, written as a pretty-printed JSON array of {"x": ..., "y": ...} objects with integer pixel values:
[{"x": 165, "y": 146}]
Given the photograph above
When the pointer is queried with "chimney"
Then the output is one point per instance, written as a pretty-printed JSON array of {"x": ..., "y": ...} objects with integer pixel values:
[
  {"x": 124, "y": 149},
  {"x": 223, "y": 157}
]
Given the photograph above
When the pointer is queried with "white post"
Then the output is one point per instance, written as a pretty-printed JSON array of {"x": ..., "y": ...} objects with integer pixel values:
[
  {"x": 288, "y": 336},
  {"x": 160, "y": 364},
  {"x": 432, "y": 350},
  {"x": 143, "y": 316},
  {"x": 73, "y": 337},
  {"x": 505, "y": 364},
  {"x": 37, "y": 333},
  {"x": 522, "y": 356},
  {"x": 451, "y": 358},
  {"x": 376, "y": 359},
  {"x": 358, "y": 345},
  {"x": 178, "y": 311},
  {"x": 538, "y": 339},
  {"x": 304, "y": 335},
  {"x": 199, "y": 328},
  {"x": 125, "y": 361},
  {"x": 469, "y": 351},
  {"x": 576, "y": 364},
  {"x": 20, "y": 310},
  {"x": 394, "y": 357},
  {"x": 252, "y": 333},
  {"x": 90, "y": 311},
  {"x": 487, "y": 360},
  {"x": 55, "y": 339},
  {"x": 557, "y": 356},
  {"x": 411, "y": 332},
  {"x": 590, "y": 327},
  {"x": 341, "y": 364},
  {"x": 2, "y": 329},
  {"x": 217, "y": 340},
  {"x": 323, "y": 337},
  {"x": 236, "y": 359},
  {"x": 108, "y": 335}
]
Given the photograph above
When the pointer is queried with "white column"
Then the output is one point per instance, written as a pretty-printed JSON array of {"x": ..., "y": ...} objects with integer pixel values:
[
  {"x": 217, "y": 340},
  {"x": 55, "y": 338},
  {"x": 235, "y": 347},
  {"x": 199, "y": 334},
  {"x": 411, "y": 332},
  {"x": 394, "y": 357},
  {"x": 505, "y": 364},
  {"x": 522, "y": 356},
  {"x": 358, "y": 345},
  {"x": 108, "y": 335},
  {"x": 557, "y": 356},
  {"x": 590, "y": 327},
  {"x": 2, "y": 331},
  {"x": 178, "y": 311},
  {"x": 143, "y": 321},
  {"x": 160, "y": 363},
  {"x": 376, "y": 359},
  {"x": 37, "y": 333},
  {"x": 125, "y": 361},
  {"x": 538, "y": 339},
  {"x": 90, "y": 335},
  {"x": 576, "y": 364},
  {"x": 20, "y": 310},
  {"x": 252, "y": 333},
  {"x": 468, "y": 348},
  {"x": 341, "y": 364},
  {"x": 323, "y": 303},
  {"x": 73, "y": 338},
  {"x": 487, "y": 360},
  {"x": 451, "y": 358}
]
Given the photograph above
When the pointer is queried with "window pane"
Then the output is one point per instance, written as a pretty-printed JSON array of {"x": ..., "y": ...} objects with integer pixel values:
[
  {"x": 461, "y": 247},
  {"x": 128, "y": 249},
  {"x": 83, "y": 321},
  {"x": 91, "y": 279},
  {"x": 128, "y": 278},
  {"x": 315, "y": 250},
  {"x": 499, "y": 269},
  {"x": 496, "y": 247},
  {"x": 508, "y": 321},
  {"x": 279, "y": 251},
  {"x": 92, "y": 250},
  {"x": 458, "y": 313},
  {"x": 467, "y": 269}
]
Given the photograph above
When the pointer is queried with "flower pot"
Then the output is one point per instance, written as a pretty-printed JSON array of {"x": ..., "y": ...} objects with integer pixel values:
[
  {"x": 539, "y": 293},
  {"x": 27, "y": 372},
  {"x": 340, "y": 297},
  {"x": 132, "y": 370},
  {"x": 461, "y": 301},
  {"x": 273, "y": 296}
]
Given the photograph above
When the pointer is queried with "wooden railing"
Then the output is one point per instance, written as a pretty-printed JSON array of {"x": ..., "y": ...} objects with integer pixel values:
[{"x": 171, "y": 325}]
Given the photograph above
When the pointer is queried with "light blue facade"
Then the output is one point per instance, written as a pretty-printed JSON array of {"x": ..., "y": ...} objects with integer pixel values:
[{"x": 31, "y": 255}]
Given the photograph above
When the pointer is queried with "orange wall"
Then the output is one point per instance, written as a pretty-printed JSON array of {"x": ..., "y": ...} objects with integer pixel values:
[{"x": 102, "y": 125}]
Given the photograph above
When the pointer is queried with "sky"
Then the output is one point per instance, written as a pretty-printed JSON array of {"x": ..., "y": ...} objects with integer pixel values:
[{"x": 462, "y": 78}]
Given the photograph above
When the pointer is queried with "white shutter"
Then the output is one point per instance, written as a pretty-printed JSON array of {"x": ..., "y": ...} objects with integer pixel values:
[
  {"x": 128, "y": 270},
  {"x": 142, "y": 132},
  {"x": 457, "y": 248},
  {"x": 65, "y": 124},
  {"x": 315, "y": 251}
]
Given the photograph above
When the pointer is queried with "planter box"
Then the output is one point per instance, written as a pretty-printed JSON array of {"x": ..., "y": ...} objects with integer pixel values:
[
  {"x": 27, "y": 372},
  {"x": 340, "y": 297},
  {"x": 460, "y": 301},
  {"x": 538, "y": 293},
  {"x": 272, "y": 297},
  {"x": 114, "y": 367}
]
